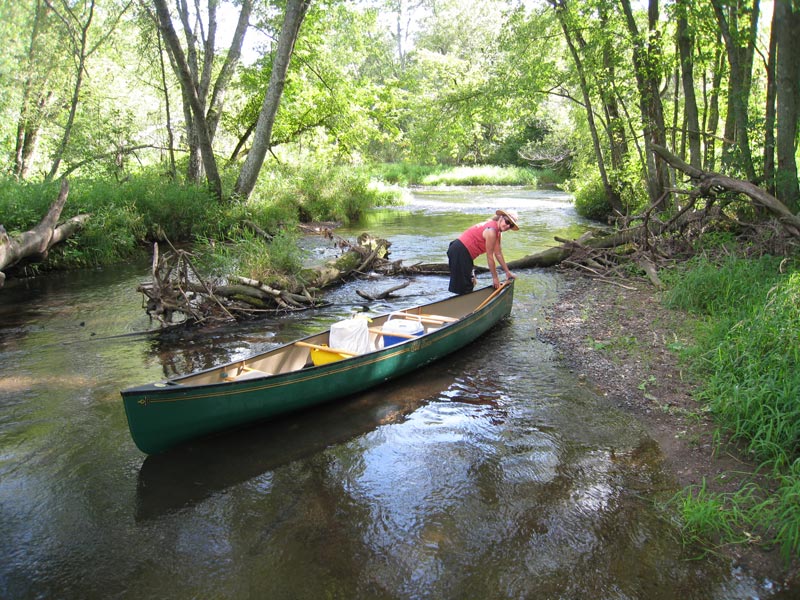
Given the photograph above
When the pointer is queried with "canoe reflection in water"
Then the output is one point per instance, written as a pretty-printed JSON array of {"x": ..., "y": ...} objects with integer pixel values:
[{"x": 195, "y": 471}]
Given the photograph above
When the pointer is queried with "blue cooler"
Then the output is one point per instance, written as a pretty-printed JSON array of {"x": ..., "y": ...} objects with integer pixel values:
[{"x": 406, "y": 326}]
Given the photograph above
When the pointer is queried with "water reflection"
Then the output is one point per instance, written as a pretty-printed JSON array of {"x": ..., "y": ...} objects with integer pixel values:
[
  {"x": 191, "y": 473},
  {"x": 182, "y": 352}
]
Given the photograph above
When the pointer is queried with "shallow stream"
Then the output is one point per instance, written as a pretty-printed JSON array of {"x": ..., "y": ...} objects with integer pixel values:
[{"x": 494, "y": 473}]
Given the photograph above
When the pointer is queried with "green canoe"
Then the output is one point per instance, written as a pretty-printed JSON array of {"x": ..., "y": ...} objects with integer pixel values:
[{"x": 306, "y": 372}]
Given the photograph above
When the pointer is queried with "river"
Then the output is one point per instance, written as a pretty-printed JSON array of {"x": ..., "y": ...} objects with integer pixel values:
[{"x": 492, "y": 474}]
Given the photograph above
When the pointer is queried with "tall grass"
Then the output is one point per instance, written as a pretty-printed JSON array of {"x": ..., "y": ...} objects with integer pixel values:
[
  {"x": 22, "y": 205},
  {"x": 724, "y": 517},
  {"x": 404, "y": 173},
  {"x": 748, "y": 355},
  {"x": 251, "y": 257}
]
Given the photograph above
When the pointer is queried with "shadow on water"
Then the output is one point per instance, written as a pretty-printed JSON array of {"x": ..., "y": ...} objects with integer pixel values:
[{"x": 191, "y": 473}]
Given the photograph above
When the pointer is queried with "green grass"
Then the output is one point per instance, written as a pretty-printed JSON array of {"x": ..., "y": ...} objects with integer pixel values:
[
  {"x": 712, "y": 519},
  {"x": 403, "y": 173},
  {"x": 748, "y": 356},
  {"x": 251, "y": 257},
  {"x": 483, "y": 175},
  {"x": 410, "y": 174}
]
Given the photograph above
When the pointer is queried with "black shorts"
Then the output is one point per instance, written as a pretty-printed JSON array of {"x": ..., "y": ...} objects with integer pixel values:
[{"x": 461, "y": 266}]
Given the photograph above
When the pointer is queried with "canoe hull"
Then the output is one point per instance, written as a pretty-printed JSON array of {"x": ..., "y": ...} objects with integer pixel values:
[{"x": 163, "y": 415}]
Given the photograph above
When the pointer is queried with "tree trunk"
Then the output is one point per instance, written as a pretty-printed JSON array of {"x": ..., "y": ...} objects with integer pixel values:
[
  {"x": 788, "y": 101},
  {"x": 35, "y": 243},
  {"x": 229, "y": 66},
  {"x": 685, "y": 46},
  {"x": 78, "y": 32},
  {"x": 612, "y": 196},
  {"x": 646, "y": 59},
  {"x": 81, "y": 54},
  {"x": 34, "y": 100},
  {"x": 194, "y": 168},
  {"x": 190, "y": 92},
  {"x": 740, "y": 49},
  {"x": 769, "y": 111},
  {"x": 617, "y": 140},
  {"x": 712, "y": 117},
  {"x": 173, "y": 171},
  {"x": 293, "y": 19},
  {"x": 28, "y": 130}
]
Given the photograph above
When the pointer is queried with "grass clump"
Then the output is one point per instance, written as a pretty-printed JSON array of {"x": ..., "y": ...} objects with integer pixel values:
[
  {"x": 251, "y": 256},
  {"x": 724, "y": 517},
  {"x": 404, "y": 173},
  {"x": 748, "y": 356}
]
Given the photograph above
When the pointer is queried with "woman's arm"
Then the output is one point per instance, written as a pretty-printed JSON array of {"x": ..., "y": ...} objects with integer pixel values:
[
  {"x": 493, "y": 250},
  {"x": 496, "y": 252}
]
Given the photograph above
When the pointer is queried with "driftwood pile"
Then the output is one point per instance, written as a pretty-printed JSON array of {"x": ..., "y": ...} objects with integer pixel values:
[{"x": 178, "y": 293}]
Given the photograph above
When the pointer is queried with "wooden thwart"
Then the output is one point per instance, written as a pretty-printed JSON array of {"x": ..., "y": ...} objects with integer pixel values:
[
  {"x": 398, "y": 334},
  {"x": 433, "y": 319},
  {"x": 325, "y": 348}
]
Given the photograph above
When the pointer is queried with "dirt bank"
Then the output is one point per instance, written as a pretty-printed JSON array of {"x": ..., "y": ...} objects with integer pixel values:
[{"x": 623, "y": 342}]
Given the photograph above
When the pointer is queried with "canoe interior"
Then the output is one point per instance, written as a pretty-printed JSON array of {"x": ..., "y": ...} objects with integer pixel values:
[{"x": 297, "y": 355}]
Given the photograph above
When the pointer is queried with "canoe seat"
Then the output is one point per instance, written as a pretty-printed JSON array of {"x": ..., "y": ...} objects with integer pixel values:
[{"x": 243, "y": 373}]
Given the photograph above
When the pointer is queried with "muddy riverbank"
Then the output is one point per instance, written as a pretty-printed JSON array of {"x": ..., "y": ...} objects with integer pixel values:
[{"x": 622, "y": 341}]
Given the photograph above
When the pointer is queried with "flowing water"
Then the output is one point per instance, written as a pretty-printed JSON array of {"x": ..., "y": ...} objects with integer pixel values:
[{"x": 494, "y": 473}]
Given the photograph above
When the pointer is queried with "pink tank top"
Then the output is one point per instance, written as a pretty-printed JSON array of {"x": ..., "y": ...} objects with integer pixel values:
[{"x": 473, "y": 238}]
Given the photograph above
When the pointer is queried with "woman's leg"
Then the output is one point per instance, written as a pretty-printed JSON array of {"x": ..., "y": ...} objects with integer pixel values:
[{"x": 461, "y": 266}]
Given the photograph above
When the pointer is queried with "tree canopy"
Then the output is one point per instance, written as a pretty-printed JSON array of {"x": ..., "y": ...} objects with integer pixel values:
[{"x": 209, "y": 91}]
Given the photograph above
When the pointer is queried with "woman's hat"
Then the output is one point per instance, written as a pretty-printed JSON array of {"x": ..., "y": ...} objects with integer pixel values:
[{"x": 511, "y": 216}]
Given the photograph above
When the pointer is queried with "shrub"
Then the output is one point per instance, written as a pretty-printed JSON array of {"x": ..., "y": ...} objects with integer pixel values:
[
  {"x": 317, "y": 192},
  {"x": 591, "y": 201}
]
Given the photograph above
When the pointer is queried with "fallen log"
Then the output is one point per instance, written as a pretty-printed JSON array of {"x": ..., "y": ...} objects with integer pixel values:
[
  {"x": 383, "y": 295},
  {"x": 34, "y": 244}
]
